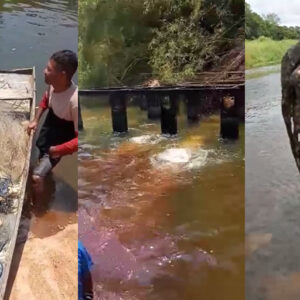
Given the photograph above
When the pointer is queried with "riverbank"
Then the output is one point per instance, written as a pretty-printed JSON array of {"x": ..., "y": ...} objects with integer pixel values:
[
  {"x": 50, "y": 263},
  {"x": 265, "y": 52}
]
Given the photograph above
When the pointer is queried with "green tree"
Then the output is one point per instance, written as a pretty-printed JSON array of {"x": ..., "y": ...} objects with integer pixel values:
[
  {"x": 268, "y": 26},
  {"x": 122, "y": 40}
]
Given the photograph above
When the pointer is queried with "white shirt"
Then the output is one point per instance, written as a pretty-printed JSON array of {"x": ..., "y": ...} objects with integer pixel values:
[{"x": 65, "y": 104}]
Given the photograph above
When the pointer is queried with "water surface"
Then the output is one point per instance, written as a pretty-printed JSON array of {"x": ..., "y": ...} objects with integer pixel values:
[
  {"x": 272, "y": 196},
  {"x": 30, "y": 31},
  {"x": 163, "y": 217}
]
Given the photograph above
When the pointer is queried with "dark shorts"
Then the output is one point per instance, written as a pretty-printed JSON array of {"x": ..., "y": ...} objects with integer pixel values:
[{"x": 45, "y": 165}]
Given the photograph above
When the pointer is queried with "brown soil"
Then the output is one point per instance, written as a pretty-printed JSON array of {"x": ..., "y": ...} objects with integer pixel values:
[{"x": 48, "y": 269}]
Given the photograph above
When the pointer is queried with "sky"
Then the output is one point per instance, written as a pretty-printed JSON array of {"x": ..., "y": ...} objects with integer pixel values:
[{"x": 287, "y": 11}]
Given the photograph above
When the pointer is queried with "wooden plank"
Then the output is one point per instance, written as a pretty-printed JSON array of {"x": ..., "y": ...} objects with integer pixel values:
[
  {"x": 15, "y": 85},
  {"x": 138, "y": 89},
  {"x": 16, "y": 94}
]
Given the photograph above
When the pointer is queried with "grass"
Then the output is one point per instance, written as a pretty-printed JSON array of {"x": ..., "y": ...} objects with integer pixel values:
[{"x": 265, "y": 51}]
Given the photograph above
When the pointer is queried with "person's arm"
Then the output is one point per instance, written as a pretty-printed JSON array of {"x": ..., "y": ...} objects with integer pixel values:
[
  {"x": 65, "y": 148},
  {"x": 42, "y": 107},
  {"x": 295, "y": 77}
]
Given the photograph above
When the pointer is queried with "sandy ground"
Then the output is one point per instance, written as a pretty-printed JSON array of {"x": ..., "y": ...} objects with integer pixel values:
[{"x": 48, "y": 267}]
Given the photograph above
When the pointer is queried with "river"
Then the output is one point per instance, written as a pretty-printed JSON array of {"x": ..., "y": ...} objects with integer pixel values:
[
  {"x": 272, "y": 195},
  {"x": 30, "y": 31},
  {"x": 162, "y": 217}
]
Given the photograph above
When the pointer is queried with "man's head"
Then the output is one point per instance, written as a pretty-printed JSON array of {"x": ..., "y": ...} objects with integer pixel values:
[{"x": 61, "y": 67}]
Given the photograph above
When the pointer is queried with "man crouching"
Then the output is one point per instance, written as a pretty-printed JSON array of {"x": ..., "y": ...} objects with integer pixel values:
[{"x": 59, "y": 133}]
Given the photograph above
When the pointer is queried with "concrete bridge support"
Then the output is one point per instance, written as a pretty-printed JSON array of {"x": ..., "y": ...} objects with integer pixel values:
[
  {"x": 118, "y": 112},
  {"x": 80, "y": 122},
  {"x": 229, "y": 116},
  {"x": 153, "y": 105},
  {"x": 169, "y": 108},
  {"x": 143, "y": 102},
  {"x": 192, "y": 106}
]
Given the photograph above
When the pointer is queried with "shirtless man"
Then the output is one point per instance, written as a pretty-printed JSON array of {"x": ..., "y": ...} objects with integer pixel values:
[{"x": 59, "y": 133}]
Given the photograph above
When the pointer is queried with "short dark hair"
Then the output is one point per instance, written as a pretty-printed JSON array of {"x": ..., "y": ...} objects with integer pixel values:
[{"x": 66, "y": 60}]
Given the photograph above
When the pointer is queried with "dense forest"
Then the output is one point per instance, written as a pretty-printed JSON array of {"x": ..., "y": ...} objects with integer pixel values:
[
  {"x": 125, "y": 42},
  {"x": 267, "y": 26}
]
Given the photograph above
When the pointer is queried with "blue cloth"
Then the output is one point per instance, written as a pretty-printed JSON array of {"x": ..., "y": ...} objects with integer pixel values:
[{"x": 84, "y": 266}]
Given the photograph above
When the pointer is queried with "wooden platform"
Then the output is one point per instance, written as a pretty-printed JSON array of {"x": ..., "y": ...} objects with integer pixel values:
[{"x": 204, "y": 81}]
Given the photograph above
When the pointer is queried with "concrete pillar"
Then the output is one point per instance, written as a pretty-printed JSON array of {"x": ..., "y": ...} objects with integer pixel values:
[
  {"x": 169, "y": 108},
  {"x": 118, "y": 112},
  {"x": 192, "y": 106},
  {"x": 153, "y": 105},
  {"x": 229, "y": 117},
  {"x": 143, "y": 102},
  {"x": 80, "y": 122}
]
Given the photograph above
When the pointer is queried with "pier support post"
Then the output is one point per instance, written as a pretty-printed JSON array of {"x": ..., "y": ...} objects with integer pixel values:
[
  {"x": 80, "y": 122},
  {"x": 192, "y": 106},
  {"x": 229, "y": 117},
  {"x": 143, "y": 102},
  {"x": 169, "y": 108},
  {"x": 153, "y": 105},
  {"x": 118, "y": 112},
  {"x": 239, "y": 95}
]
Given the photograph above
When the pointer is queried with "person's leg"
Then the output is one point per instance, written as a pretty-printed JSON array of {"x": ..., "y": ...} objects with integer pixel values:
[{"x": 46, "y": 164}]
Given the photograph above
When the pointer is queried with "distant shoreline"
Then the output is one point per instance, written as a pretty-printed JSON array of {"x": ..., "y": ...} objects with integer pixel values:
[
  {"x": 265, "y": 51},
  {"x": 262, "y": 71}
]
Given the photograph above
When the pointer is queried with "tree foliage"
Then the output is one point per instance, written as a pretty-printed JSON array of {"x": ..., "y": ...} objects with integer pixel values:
[
  {"x": 268, "y": 26},
  {"x": 121, "y": 42}
]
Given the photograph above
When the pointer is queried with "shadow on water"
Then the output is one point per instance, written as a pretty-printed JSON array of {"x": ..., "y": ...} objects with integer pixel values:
[{"x": 162, "y": 217}]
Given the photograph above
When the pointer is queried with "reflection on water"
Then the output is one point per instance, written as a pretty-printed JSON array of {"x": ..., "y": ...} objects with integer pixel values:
[
  {"x": 272, "y": 194},
  {"x": 163, "y": 217}
]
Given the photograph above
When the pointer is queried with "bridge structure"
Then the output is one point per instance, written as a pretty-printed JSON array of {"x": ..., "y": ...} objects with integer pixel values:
[{"x": 161, "y": 102}]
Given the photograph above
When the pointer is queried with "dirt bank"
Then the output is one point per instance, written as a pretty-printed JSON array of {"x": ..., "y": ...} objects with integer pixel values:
[{"x": 48, "y": 268}]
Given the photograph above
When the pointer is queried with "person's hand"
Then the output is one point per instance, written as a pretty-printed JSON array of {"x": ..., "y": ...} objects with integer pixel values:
[
  {"x": 32, "y": 126},
  {"x": 53, "y": 153}
]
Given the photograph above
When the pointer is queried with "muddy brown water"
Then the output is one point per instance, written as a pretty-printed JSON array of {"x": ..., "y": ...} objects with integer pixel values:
[
  {"x": 162, "y": 217},
  {"x": 30, "y": 31},
  {"x": 272, "y": 195}
]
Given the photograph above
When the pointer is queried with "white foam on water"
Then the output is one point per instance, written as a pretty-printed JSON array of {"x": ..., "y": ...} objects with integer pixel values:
[
  {"x": 175, "y": 155},
  {"x": 180, "y": 159},
  {"x": 147, "y": 139}
]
